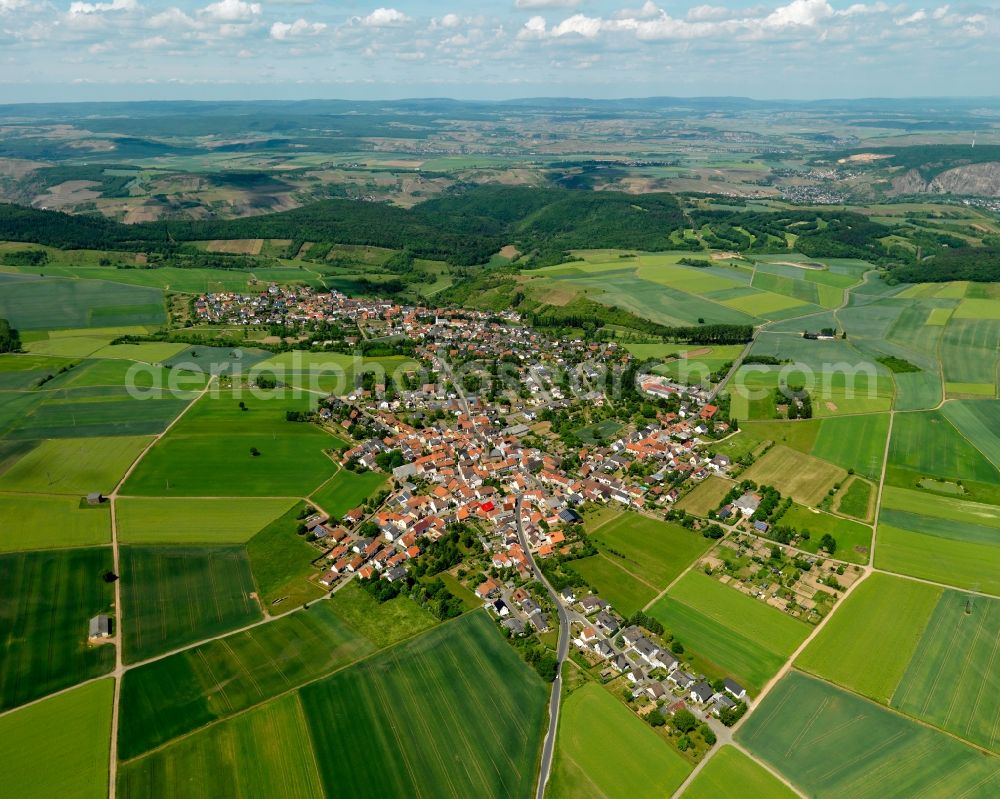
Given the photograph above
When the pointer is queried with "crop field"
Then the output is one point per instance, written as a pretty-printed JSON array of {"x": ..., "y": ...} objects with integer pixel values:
[
  {"x": 853, "y": 539},
  {"x": 210, "y": 452},
  {"x": 173, "y": 596},
  {"x": 82, "y": 414},
  {"x": 347, "y": 490},
  {"x": 144, "y": 520},
  {"x": 144, "y": 352},
  {"x": 706, "y": 496},
  {"x": 265, "y": 752},
  {"x": 281, "y": 561},
  {"x": 623, "y": 590},
  {"x": 447, "y": 696},
  {"x": 969, "y": 350},
  {"x": 802, "y": 477},
  {"x": 926, "y": 444},
  {"x": 94, "y": 372},
  {"x": 917, "y": 391},
  {"x": 954, "y": 510},
  {"x": 59, "y": 747},
  {"x": 730, "y": 774},
  {"x": 603, "y": 749},
  {"x": 800, "y": 434},
  {"x": 659, "y": 551},
  {"x": 46, "y": 602},
  {"x": 854, "y": 442},
  {"x": 965, "y": 564},
  {"x": 730, "y": 631},
  {"x": 867, "y": 644},
  {"x": 73, "y": 466},
  {"x": 34, "y": 521},
  {"x": 36, "y": 304},
  {"x": 856, "y": 499},
  {"x": 952, "y": 679},
  {"x": 180, "y": 693},
  {"x": 979, "y": 422},
  {"x": 834, "y": 744},
  {"x": 217, "y": 360}
]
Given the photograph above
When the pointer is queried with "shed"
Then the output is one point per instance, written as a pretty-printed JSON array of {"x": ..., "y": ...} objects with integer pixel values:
[
  {"x": 100, "y": 626},
  {"x": 95, "y": 498}
]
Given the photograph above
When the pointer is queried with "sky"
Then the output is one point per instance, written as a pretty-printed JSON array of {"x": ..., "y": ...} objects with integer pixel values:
[{"x": 474, "y": 49}]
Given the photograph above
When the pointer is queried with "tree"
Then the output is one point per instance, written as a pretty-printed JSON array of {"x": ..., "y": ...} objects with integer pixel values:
[
  {"x": 707, "y": 735},
  {"x": 254, "y": 452},
  {"x": 684, "y": 721},
  {"x": 655, "y": 718},
  {"x": 829, "y": 543}
]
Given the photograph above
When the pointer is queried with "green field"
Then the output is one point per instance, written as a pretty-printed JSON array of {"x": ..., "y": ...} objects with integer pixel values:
[
  {"x": 56, "y": 302},
  {"x": 927, "y": 444},
  {"x": 190, "y": 520},
  {"x": 979, "y": 422},
  {"x": 834, "y": 744},
  {"x": 730, "y": 774},
  {"x": 209, "y": 452},
  {"x": 73, "y": 466},
  {"x": 347, "y": 490},
  {"x": 180, "y": 693},
  {"x": 952, "y": 680},
  {"x": 46, "y": 602},
  {"x": 623, "y": 590},
  {"x": 856, "y": 499},
  {"x": 448, "y": 697},
  {"x": 36, "y": 521},
  {"x": 281, "y": 561},
  {"x": 381, "y": 623},
  {"x": 800, "y": 434},
  {"x": 730, "y": 632},
  {"x": 89, "y": 412},
  {"x": 174, "y": 596},
  {"x": 867, "y": 644},
  {"x": 853, "y": 538},
  {"x": 706, "y": 496},
  {"x": 265, "y": 752},
  {"x": 854, "y": 442},
  {"x": 930, "y": 557},
  {"x": 802, "y": 477},
  {"x": 59, "y": 747},
  {"x": 603, "y": 749}
]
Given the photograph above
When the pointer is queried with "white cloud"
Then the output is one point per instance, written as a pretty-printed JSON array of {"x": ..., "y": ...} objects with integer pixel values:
[
  {"x": 450, "y": 21},
  {"x": 579, "y": 24},
  {"x": 230, "y": 11},
  {"x": 534, "y": 28},
  {"x": 384, "y": 18},
  {"x": 152, "y": 43},
  {"x": 535, "y": 4},
  {"x": 911, "y": 19},
  {"x": 172, "y": 18},
  {"x": 288, "y": 30},
  {"x": 12, "y": 5},
  {"x": 97, "y": 8},
  {"x": 648, "y": 11},
  {"x": 799, "y": 13}
]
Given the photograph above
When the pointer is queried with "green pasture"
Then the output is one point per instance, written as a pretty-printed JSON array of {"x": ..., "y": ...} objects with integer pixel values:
[
  {"x": 176, "y": 695},
  {"x": 347, "y": 490},
  {"x": 97, "y": 412},
  {"x": 382, "y": 623},
  {"x": 926, "y": 444},
  {"x": 73, "y": 466},
  {"x": 730, "y": 774},
  {"x": 867, "y": 644},
  {"x": 706, "y": 496},
  {"x": 36, "y": 521},
  {"x": 265, "y": 752},
  {"x": 855, "y": 499},
  {"x": 917, "y": 391},
  {"x": 964, "y": 564},
  {"x": 59, "y": 303},
  {"x": 625, "y": 591},
  {"x": 979, "y": 423},
  {"x": 969, "y": 350},
  {"x": 799, "y": 434},
  {"x": 854, "y": 442},
  {"x": 853, "y": 538},
  {"x": 173, "y": 596},
  {"x": 447, "y": 697},
  {"x": 59, "y": 747},
  {"x": 46, "y": 602},
  {"x": 834, "y": 744},
  {"x": 193, "y": 520},
  {"x": 603, "y": 749},
  {"x": 281, "y": 561}
]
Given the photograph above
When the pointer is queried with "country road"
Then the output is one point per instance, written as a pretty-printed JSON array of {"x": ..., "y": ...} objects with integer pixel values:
[{"x": 548, "y": 747}]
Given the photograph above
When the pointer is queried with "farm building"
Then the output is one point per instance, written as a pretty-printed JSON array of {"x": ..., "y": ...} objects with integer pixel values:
[
  {"x": 95, "y": 498},
  {"x": 100, "y": 626}
]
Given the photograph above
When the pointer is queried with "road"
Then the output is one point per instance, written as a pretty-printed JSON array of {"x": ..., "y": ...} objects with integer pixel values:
[{"x": 548, "y": 747}]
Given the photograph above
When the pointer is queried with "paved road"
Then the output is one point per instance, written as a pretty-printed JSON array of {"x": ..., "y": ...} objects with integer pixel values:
[{"x": 562, "y": 651}]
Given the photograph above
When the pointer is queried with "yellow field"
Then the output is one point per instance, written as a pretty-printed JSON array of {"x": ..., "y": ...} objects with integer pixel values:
[
  {"x": 804, "y": 478},
  {"x": 939, "y": 316},
  {"x": 978, "y": 309}
]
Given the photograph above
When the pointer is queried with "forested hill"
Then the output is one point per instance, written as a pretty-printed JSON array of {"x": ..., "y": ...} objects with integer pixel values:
[{"x": 464, "y": 228}]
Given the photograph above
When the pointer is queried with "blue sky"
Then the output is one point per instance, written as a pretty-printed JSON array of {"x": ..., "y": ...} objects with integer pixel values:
[{"x": 139, "y": 49}]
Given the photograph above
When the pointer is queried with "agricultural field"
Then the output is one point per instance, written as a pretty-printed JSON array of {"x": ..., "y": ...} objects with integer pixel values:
[
  {"x": 831, "y": 743},
  {"x": 855, "y": 499},
  {"x": 706, "y": 496},
  {"x": 46, "y": 602},
  {"x": 853, "y": 539},
  {"x": 730, "y": 774},
  {"x": 622, "y": 589},
  {"x": 729, "y": 632},
  {"x": 174, "y": 596},
  {"x": 854, "y": 442},
  {"x": 347, "y": 490},
  {"x": 37, "y": 521},
  {"x": 265, "y": 752},
  {"x": 926, "y": 444},
  {"x": 281, "y": 561},
  {"x": 449, "y": 695},
  {"x": 73, "y": 466},
  {"x": 60, "y": 746},
  {"x": 979, "y": 422},
  {"x": 192, "y": 520},
  {"x": 867, "y": 644},
  {"x": 34, "y": 304},
  {"x": 802, "y": 477},
  {"x": 382, "y": 623},
  {"x": 210, "y": 452},
  {"x": 603, "y": 749},
  {"x": 176, "y": 695}
]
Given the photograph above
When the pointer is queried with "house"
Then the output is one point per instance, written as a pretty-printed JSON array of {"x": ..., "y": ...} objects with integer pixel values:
[
  {"x": 488, "y": 589},
  {"x": 395, "y": 573},
  {"x": 701, "y": 693},
  {"x": 592, "y": 603},
  {"x": 100, "y": 626},
  {"x": 647, "y": 650},
  {"x": 539, "y": 621},
  {"x": 500, "y": 608},
  {"x": 568, "y": 595},
  {"x": 606, "y": 622},
  {"x": 631, "y": 634},
  {"x": 514, "y": 624},
  {"x": 722, "y": 702},
  {"x": 734, "y": 689},
  {"x": 681, "y": 679}
]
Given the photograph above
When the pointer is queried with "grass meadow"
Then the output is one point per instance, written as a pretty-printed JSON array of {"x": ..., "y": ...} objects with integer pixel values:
[
  {"x": 174, "y": 596},
  {"x": 281, "y": 561},
  {"x": 458, "y": 694},
  {"x": 73, "y": 466},
  {"x": 346, "y": 490},
  {"x": 36, "y": 521},
  {"x": 706, "y": 496},
  {"x": 832, "y": 743},
  {"x": 59, "y": 747},
  {"x": 46, "y": 602},
  {"x": 603, "y": 749},
  {"x": 802, "y": 477},
  {"x": 730, "y": 774},
  {"x": 193, "y": 520}
]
